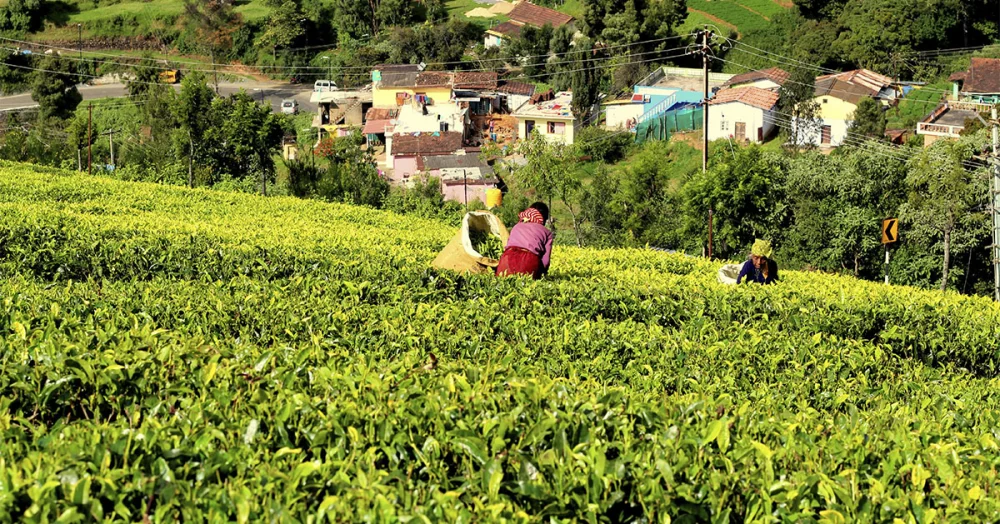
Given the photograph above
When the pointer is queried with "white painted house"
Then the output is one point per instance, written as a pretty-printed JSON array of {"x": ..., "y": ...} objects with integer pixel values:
[{"x": 744, "y": 114}]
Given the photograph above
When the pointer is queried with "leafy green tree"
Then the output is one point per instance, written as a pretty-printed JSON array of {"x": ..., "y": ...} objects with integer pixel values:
[
  {"x": 616, "y": 22},
  {"x": 54, "y": 89},
  {"x": 284, "y": 25},
  {"x": 797, "y": 98},
  {"x": 586, "y": 81},
  {"x": 944, "y": 195},
  {"x": 194, "y": 112},
  {"x": 214, "y": 22},
  {"x": 837, "y": 204},
  {"x": 245, "y": 138},
  {"x": 22, "y": 16},
  {"x": 350, "y": 176},
  {"x": 531, "y": 49},
  {"x": 868, "y": 120},
  {"x": 747, "y": 195}
]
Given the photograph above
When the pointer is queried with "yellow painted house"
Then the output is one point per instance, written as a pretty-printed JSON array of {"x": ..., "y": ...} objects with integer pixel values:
[
  {"x": 837, "y": 97},
  {"x": 393, "y": 86},
  {"x": 552, "y": 117}
]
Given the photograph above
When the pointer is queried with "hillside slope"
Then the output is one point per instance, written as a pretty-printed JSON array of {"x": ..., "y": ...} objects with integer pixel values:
[{"x": 196, "y": 355}]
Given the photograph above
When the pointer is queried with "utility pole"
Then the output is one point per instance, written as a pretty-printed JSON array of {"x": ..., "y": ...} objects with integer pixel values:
[
  {"x": 90, "y": 138},
  {"x": 996, "y": 205},
  {"x": 215, "y": 72},
  {"x": 465, "y": 182},
  {"x": 79, "y": 39},
  {"x": 706, "y": 39},
  {"x": 710, "y": 214},
  {"x": 111, "y": 141},
  {"x": 190, "y": 160}
]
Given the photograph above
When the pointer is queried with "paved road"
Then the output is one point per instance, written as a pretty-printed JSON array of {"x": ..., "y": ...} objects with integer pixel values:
[{"x": 274, "y": 92}]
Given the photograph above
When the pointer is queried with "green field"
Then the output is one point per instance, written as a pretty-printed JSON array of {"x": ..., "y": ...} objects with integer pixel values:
[
  {"x": 745, "y": 15},
  {"x": 916, "y": 105},
  {"x": 189, "y": 355}
]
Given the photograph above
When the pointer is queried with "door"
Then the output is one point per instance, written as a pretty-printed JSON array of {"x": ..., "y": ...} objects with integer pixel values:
[
  {"x": 825, "y": 134},
  {"x": 741, "y": 131},
  {"x": 529, "y": 126}
]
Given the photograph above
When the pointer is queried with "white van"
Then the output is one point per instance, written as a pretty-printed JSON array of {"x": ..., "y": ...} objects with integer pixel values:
[{"x": 322, "y": 86}]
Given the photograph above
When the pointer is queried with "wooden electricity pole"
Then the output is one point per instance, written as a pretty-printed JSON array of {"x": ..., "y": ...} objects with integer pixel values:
[
  {"x": 705, "y": 50},
  {"x": 90, "y": 138}
]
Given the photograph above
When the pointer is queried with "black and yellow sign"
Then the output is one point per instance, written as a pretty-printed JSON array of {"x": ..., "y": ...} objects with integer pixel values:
[{"x": 890, "y": 231}]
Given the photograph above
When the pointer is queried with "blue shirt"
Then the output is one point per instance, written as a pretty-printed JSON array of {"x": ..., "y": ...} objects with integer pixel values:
[{"x": 752, "y": 274}]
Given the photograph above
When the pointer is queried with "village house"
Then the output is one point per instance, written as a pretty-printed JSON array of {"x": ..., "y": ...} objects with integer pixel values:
[
  {"x": 837, "y": 97},
  {"x": 395, "y": 85},
  {"x": 669, "y": 89},
  {"x": 980, "y": 83},
  {"x": 524, "y": 14},
  {"x": 339, "y": 111},
  {"x": 551, "y": 115},
  {"x": 409, "y": 151},
  {"x": 744, "y": 114}
]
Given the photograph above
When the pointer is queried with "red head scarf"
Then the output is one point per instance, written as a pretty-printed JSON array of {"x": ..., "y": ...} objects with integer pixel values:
[{"x": 531, "y": 215}]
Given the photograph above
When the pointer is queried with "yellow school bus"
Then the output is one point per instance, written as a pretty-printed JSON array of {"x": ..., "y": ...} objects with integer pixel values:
[{"x": 170, "y": 76}]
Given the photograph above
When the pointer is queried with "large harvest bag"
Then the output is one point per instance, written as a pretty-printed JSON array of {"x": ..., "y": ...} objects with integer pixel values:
[
  {"x": 729, "y": 273},
  {"x": 459, "y": 255}
]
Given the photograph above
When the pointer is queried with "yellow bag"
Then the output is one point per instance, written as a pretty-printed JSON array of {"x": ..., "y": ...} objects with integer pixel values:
[
  {"x": 459, "y": 254},
  {"x": 494, "y": 198}
]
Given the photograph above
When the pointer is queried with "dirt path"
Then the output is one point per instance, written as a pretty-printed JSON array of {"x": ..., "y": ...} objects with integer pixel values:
[
  {"x": 787, "y": 4},
  {"x": 716, "y": 20},
  {"x": 755, "y": 12}
]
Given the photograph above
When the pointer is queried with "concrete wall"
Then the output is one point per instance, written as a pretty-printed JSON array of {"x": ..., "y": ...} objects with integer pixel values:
[
  {"x": 403, "y": 167},
  {"x": 722, "y": 120},
  {"x": 616, "y": 116},
  {"x": 456, "y": 192}
]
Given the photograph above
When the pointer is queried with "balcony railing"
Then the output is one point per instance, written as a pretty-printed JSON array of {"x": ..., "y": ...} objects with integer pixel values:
[{"x": 927, "y": 128}]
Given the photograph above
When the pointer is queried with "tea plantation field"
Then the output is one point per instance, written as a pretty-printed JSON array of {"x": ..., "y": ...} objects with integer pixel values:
[{"x": 179, "y": 355}]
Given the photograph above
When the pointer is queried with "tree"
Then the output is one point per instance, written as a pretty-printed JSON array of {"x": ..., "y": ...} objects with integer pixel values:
[
  {"x": 586, "y": 81},
  {"x": 797, "y": 97},
  {"x": 54, "y": 89},
  {"x": 943, "y": 195},
  {"x": 246, "y": 136},
  {"x": 837, "y": 203},
  {"x": 868, "y": 120},
  {"x": 350, "y": 176},
  {"x": 215, "y": 22},
  {"x": 747, "y": 195},
  {"x": 194, "y": 111},
  {"x": 616, "y": 22},
  {"x": 22, "y": 16},
  {"x": 283, "y": 26}
]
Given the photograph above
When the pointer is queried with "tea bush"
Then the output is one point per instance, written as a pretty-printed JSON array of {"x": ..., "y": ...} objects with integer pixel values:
[{"x": 193, "y": 355}]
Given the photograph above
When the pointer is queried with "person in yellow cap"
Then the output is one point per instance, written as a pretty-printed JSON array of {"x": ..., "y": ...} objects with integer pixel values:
[{"x": 759, "y": 268}]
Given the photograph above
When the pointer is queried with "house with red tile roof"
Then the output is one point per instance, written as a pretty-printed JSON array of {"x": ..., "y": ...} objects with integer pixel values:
[
  {"x": 744, "y": 114},
  {"x": 772, "y": 78},
  {"x": 524, "y": 14}
]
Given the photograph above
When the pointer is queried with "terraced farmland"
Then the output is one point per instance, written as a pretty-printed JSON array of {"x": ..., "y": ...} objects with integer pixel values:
[{"x": 742, "y": 15}]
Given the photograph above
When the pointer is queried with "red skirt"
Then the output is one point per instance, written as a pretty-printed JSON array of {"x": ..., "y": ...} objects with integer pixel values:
[{"x": 518, "y": 261}]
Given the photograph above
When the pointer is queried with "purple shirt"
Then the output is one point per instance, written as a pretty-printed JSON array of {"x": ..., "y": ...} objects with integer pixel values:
[{"x": 533, "y": 237}]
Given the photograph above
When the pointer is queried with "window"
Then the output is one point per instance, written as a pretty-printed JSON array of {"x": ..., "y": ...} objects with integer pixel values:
[
  {"x": 557, "y": 128},
  {"x": 826, "y": 133},
  {"x": 825, "y": 100}
]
